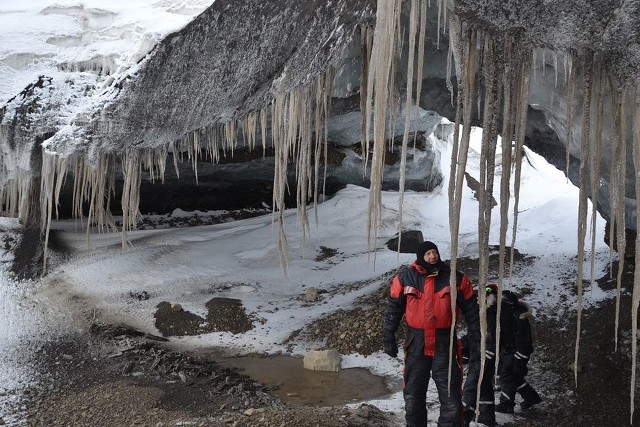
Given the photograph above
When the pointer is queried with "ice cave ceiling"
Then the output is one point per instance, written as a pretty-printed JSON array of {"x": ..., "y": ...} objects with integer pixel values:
[{"x": 247, "y": 71}]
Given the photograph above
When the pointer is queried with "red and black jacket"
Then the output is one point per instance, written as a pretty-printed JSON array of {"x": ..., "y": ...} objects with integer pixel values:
[{"x": 425, "y": 300}]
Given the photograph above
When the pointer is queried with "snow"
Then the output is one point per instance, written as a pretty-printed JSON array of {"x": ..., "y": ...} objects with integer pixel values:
[
  {"x": 240, "y": 260},
  {"x": 95, "y": 42},
  {"x": 64, "y": 38}
]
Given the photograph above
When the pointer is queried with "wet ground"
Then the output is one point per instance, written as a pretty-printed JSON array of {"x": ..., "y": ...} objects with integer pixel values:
[{"x": 291, "y": 382}]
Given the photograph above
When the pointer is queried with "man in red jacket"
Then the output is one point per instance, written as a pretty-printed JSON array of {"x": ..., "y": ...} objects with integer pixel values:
[{"x": 422, "y": 294}]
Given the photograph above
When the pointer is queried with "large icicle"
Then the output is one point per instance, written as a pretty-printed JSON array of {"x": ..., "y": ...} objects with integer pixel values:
[
  {"x": 618, "y": 171},
  {"x": 467, "y": 37},
  {"x": 413, "y": 28},
  {"x": 587, "y": 77},
  {"x": 420, "y": 69},
  {"x": 379, "y": 96},
  {"x": 492, "y": 72},
  {"x": 510, "y": 80},
  {"x": 570, "y": 101},
  {"x": 366, "y": 41},
  {"x": 596, "y": 160},
  {"x": 53, "y": 174}
]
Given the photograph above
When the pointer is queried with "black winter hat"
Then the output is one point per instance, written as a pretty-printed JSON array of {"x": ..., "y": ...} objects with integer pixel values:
[
  {"x": 423, "y": 248},
  {"x": 509, "y": 297}
]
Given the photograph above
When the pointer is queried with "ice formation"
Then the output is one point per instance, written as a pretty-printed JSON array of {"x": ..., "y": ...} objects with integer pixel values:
[{"x": 494, "y": 62}]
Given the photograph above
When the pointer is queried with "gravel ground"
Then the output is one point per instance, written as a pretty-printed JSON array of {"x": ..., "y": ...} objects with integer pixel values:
[{"x": 112, "y": 375}]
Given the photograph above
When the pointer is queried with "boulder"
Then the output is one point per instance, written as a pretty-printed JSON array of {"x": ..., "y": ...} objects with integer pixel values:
[
  {"x": 311, "y": 294},
  {"x": 322, "y": 360}
]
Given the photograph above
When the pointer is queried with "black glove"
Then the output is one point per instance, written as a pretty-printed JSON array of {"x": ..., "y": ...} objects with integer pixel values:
[{"x": 391, "y": 348}]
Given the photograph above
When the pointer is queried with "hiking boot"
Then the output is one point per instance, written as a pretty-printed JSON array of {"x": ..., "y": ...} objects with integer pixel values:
[
  {"x": 530, "y": 397},
  {"x": 505, "y": 407},
  {"x": 528, "y": 403}
]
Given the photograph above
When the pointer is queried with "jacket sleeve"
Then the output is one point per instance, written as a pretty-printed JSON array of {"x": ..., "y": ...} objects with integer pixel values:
[
  {"x": 468, "y": 303},
  {"x": 396, "y": 304},
  {"x": 523, "y": 337}
]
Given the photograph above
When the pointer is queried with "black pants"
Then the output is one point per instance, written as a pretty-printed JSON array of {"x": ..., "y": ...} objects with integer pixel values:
[
  {"x": 487, "y": 413},
  {"x": 514, "y": 382},
  {"x": 418, "y": 370}
]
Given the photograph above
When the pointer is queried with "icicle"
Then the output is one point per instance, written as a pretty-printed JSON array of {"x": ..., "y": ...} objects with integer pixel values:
[
  {"x": 570, "y": 100},
  {"x": 510, "y": 79},
  {"x": 327, "y": 113},
  {"x": 420, "y": 69},
  {"x": 413, "y": 27},
  {"x": 301, "y": 141},
  {"x": 440, "y": 10},
  {"x": 321, "y": 93},
  {"x": 230, "y": 135},
  {"x": 492, "y": 77},
  {"x": 263, "y": 130},
  {"x": 380, "y": 75},
  {"x": 52, "y": 170},
  {"x": 522, "y": 98},
  {"x": 596, "y": 160},
  {"x": 130, "y": 191},
  {"x": 459, "y": 162},
  {"x": 366, "y": 40},
  {"x": 587, "y": 75},
  {"x": 617, "y": 184},
  {"x": 636, "y": 277},
  {"x": 450, "y": 66},
  {"x": 323, "y": 96}
]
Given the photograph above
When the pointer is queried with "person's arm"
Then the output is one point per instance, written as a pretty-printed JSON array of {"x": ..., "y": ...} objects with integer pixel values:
[
  {"x": 524, "y": 339},
  {"x": 468, "y": 303},
  {"x": 393, "y": 315}
]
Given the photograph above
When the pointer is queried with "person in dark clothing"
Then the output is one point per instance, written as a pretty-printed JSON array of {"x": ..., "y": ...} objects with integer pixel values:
[
  {"x": 516, "y": 346},
  {"x": 486, "y": 409},
  {"x": 422, "y": 294}
]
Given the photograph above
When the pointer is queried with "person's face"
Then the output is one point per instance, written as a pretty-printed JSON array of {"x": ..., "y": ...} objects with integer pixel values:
[{"x": 431, "y": 256}]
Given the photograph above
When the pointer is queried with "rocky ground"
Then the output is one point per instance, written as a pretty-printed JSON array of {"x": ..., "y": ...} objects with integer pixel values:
[{"x": 112, "y": 375}]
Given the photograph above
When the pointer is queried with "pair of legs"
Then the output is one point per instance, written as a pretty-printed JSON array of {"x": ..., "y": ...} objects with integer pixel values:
[
  {"x": 418, "y": 370},
  {"x": 487, "y": 414},
  {"x": 512, "y": 382}
]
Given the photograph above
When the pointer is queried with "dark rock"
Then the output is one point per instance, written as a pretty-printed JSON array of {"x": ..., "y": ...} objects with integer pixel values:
[{"x": 409, "y": 241}]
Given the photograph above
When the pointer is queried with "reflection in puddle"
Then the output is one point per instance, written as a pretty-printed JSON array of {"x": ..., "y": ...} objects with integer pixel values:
[{"x": 291, "y": 382}]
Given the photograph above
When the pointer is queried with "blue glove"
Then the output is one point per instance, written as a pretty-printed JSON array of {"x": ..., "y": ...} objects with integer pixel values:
[{"x": 391, "y": 348}]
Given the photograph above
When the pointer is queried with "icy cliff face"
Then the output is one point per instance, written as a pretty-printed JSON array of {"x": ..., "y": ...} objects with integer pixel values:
[{"x": 229, "y": 61}]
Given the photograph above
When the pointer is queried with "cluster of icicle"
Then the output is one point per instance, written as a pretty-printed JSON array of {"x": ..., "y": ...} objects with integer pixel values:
[
  {"x": 604, "y": 100},
  {"x": 503, "y": 66},
  {"x": 297, "y": 121},
  {"x": 494, "y": 61}
]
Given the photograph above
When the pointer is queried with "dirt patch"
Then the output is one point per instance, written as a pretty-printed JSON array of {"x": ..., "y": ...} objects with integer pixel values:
[
  {"x": 105, "y": 378},
  {"x": 225, "y": 315}
]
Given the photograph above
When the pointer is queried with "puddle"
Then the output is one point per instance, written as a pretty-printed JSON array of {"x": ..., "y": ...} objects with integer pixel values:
[{"x": 292, "y": 383}]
